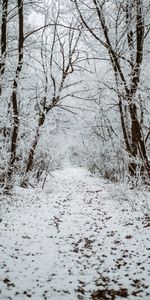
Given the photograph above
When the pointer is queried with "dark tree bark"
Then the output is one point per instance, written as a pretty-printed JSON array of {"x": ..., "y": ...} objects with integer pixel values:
[
  {"x": 34, "y": 143},
  {"x": 3, "y": 38},
  {"x": 138, "y": 145},
  {"x": 14, "y": 103}
]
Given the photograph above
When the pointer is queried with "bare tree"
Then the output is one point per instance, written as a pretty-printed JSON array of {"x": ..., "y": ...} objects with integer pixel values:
[
  {"x": 125, "y": 47},
  {"x": 58, "y": 57},
  {"x": 11, "y": 82},
  {"x": 12, "y": 60},
  {"x": 14, "y": 100}
]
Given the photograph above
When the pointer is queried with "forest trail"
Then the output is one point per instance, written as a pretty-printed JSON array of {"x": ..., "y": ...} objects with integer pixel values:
[{"x": 72, "y": 240}]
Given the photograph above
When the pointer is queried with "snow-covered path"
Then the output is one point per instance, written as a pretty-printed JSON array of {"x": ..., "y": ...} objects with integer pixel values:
[{"x": 72, "y": 241}]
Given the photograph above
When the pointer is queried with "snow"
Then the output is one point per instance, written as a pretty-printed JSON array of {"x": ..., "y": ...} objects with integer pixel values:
[{"x": 78, "y": 238}]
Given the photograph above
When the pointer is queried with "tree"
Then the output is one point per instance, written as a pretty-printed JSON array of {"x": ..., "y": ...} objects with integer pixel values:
[
  {"x": 59, "y": 48},
  {"x": 3, "y": 38},
  {"x": 124, "y": 36},
  {"x": 5, "y": 49},
  {"x": 14, "y": 101}
]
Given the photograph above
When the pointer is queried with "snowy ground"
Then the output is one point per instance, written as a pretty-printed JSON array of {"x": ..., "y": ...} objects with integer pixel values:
[{"x": 77, "y": 239}]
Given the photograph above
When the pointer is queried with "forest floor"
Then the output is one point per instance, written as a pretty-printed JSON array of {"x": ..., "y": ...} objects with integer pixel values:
[{"x": 80, "y": 237}]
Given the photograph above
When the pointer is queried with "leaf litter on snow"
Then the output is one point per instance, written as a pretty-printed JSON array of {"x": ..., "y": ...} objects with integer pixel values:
[{"x": 76, "y": 239}]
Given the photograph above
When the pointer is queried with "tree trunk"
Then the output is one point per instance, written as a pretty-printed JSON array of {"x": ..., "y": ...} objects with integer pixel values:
[
  {"x": 3, "y": 38},
  {"x": 34, "y": 144},
  {"x": 15, "y": 112},
  {"x": 138, "y": 145}
]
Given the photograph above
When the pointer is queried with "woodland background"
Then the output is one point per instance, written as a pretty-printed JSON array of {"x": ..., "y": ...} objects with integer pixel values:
[{"x": 74, "y": 89}]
